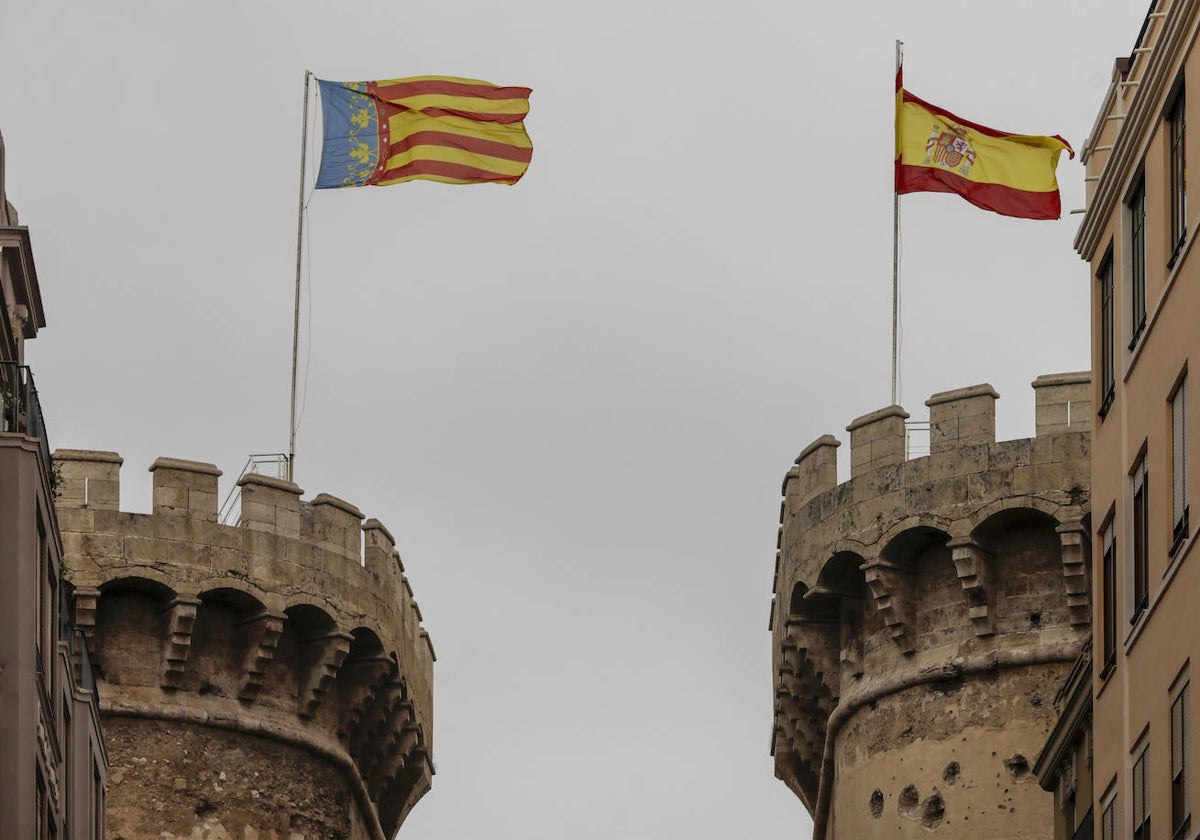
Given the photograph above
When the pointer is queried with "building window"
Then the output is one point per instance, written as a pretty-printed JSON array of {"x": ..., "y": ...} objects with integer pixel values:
[
  {"x": 1109, "y": 599},
  {"x": 1108, "y": 820},
  {"x": 97, "y": 803},
  {"x": 39, "y": 827},
  {"x": 1141, "y": 796},
  {"x": 1176, "y": 125},
  {"x": 1137, "y": 262},
  {"x": 1179, "y": 491},
  {"x": 1108, "y": 373},
  {"x": 67, "y": 740},
  {"x": 1181, "y": 812},
  {"x": 1141, "y": 542}
]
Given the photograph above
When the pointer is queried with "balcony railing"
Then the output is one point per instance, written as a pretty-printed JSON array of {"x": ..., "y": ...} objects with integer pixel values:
[{"x": 20, "y": 410}]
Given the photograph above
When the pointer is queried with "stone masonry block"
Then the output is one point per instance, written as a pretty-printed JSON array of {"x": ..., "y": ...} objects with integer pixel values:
[
  {"x": 257, "y": 512},
  {"x": 76, "y": 519},
  {"x": 877, "y": 439},
  {"x": 337, "y": 525},
  {"x": 287, "y": 522},
  {"x": 201, "y": 504},
  {"x": 378, "y": 545},
  {"x": 815, "y": 471},
  {"x": 185, "y": 488},
  {"x": 967, "y": 460},
  {"x": 1063, "y": 402},
  {"x": 172, "y": 501},
  {"x": 962, "y": 417},
  {"x": 266, "y": 502},
  {"x": 90, "y": 478},
  {"x": 888, "y": 450},
  {"x": 1036, "y": 478}
]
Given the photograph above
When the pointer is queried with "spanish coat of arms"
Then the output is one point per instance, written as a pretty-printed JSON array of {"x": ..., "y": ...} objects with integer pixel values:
[{"x": 948, "y": 147}]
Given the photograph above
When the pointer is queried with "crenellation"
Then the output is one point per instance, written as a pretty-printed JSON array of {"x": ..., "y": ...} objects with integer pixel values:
[
  {"x": 185, "y": 488},
  {"x": 815, "y": 471},
  {"x": 877, "y": 439},
  {"x": 1063, "y": 402},
  {"x": 964, "y": 569},
  {"x": 336, "y": 526},
  {"x": 291, "y": 625},
  {"x": 270, "y": 504},
  {"x": 380, "y": 557},
  {"x": 962, "y": 417},
  {"x": 90, "y": 479}
]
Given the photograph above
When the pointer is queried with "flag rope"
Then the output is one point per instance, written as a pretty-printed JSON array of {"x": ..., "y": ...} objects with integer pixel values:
[
  {"x": 896, "y": 266},
  {"x": 296, "y": 314}
]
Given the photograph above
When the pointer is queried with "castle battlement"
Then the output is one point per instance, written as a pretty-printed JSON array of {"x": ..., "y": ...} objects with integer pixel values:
[
  {"x": 298, "y": 624},
  {"x": 923, "y": 610}
]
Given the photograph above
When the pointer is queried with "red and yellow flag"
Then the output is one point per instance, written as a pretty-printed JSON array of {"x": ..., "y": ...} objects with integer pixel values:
[
  {"x": 1010, "y": 174},
  {"x": 436, "y": 128}
]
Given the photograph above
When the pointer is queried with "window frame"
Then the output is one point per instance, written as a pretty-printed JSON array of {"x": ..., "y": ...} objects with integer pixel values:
[
  {"x": 1135, "y": 209},
  {"x": 1107, "y": 333},
  {"x": 1181, "y": 814},
  {"x": 1108, "y": 596},
  {"x": 1108, "y": 819},
  {"x": 1180, "y": 527},
  {"x": 1140, "y": 531},
  {"x": 1176, "y": 119},
  {"x": 1139, "y": 808}
]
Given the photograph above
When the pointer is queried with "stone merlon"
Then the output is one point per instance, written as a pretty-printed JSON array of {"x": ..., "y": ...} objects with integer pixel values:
[
  {"x": 923, "y": 608},
  {"x": 325, "y": 618}
]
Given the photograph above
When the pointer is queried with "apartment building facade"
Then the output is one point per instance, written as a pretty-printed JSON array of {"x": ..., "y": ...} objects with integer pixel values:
[
  {"x": 1138, "y": 235},
  {"x": 52, "y": 760}
]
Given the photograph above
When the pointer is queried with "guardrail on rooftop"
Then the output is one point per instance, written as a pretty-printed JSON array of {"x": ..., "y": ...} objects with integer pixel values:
[{"x": 20, "y": 409}]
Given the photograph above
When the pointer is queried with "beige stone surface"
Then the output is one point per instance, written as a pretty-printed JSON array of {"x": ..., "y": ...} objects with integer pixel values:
[
  {"x": 917, "y": 750},
  {"x": 182, "y": 780},
  {"x": 282, "y": 631},
  {"x": 925, "y": 612}
]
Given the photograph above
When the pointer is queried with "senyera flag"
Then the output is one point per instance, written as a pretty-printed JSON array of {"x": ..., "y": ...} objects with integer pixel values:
[
  {"x": 1011, "y": 174},
  {"x": 436, "y": 128}
]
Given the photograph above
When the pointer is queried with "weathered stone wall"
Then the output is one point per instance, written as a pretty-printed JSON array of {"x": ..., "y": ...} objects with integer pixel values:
[
  {"x": 292, "y": 640},
  {"x": 913, "y": 763},
  {"x": 924, "y": 613},
  {"x": 200, "y": 783}
]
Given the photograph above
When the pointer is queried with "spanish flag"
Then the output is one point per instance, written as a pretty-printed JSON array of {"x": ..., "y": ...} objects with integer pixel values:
[
  {"x": 1010, "y": 174},
  {"x": 436, "y": 128}
]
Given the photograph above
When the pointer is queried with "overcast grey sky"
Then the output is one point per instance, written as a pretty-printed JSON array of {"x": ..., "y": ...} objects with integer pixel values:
[{"x": 572, "y": 400}]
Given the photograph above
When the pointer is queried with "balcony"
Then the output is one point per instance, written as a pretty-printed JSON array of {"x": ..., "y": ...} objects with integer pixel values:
[{"x": 21, "y": 410}]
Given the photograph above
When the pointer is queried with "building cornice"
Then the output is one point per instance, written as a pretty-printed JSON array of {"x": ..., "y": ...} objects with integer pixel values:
[
  {"x": 1076, "y": 699},
  {"x": 1178, "y": 31},
  {"x": 14, "y": 242}
]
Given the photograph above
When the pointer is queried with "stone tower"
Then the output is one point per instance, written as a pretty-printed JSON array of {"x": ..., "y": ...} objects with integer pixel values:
[
  {"x": 269, "y": 680},
  {"x": 925, "y": 613}
]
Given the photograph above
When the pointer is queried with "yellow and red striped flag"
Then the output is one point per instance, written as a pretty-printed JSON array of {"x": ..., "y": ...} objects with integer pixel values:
[
  {"x": 436, "y": 128},
  {"x": 1010, "y": 174}
]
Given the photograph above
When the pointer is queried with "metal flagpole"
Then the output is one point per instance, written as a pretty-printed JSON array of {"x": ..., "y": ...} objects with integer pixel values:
[
  {"x": 296, "y": 316},
  {"x": 896, "y": 261}
]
